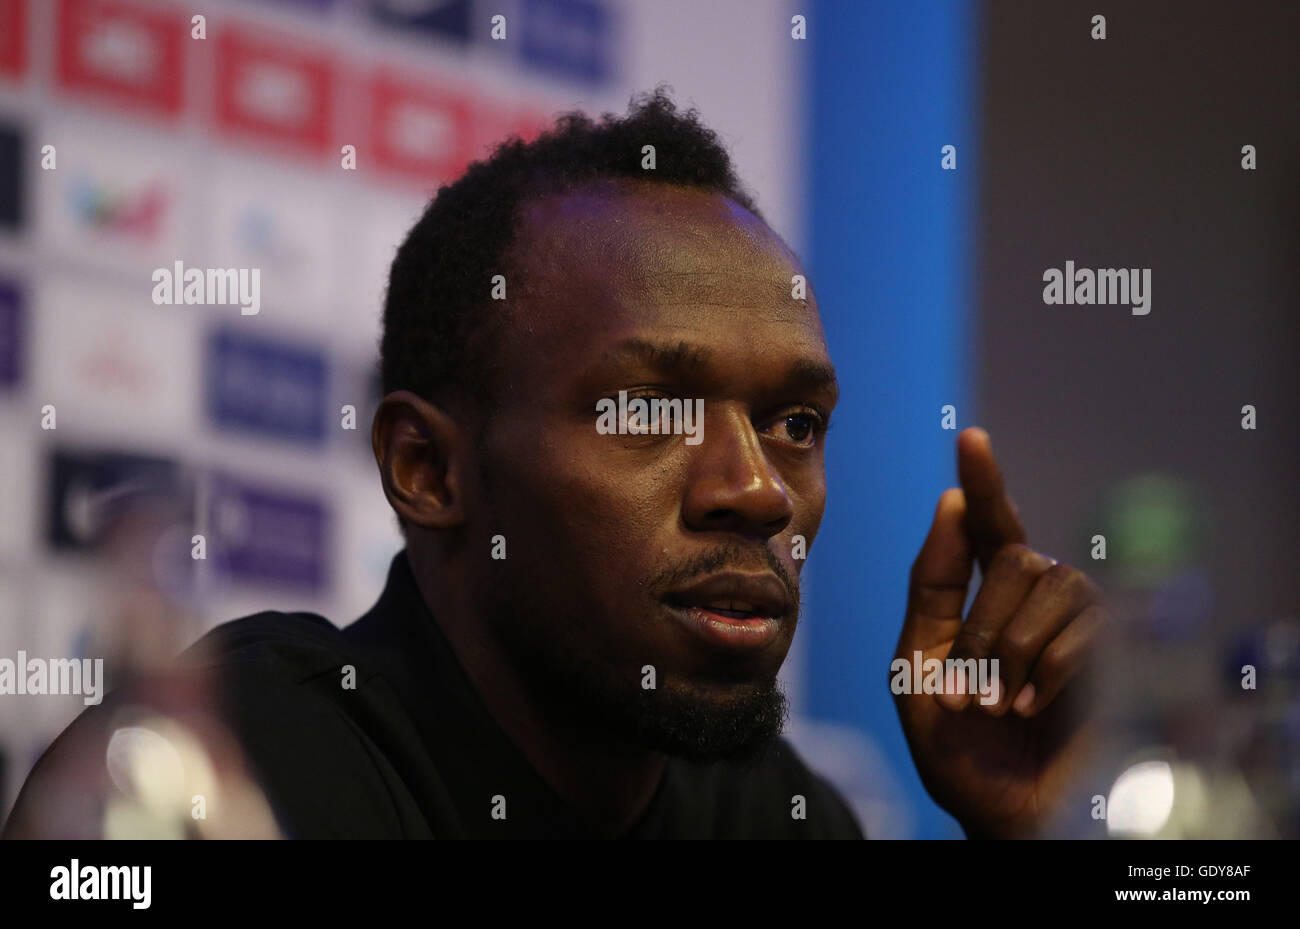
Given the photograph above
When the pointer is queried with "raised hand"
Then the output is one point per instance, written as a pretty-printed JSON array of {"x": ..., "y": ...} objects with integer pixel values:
[{"x": 999, "y": 764}]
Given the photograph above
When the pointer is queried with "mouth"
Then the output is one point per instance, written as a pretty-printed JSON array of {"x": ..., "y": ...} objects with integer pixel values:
[{"x": 734, "y": 611}]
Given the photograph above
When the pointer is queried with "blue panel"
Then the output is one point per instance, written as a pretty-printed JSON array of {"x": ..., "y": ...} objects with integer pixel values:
[
  {"x": 264, "y": 386},
  {"x": 569, "y": 38},
  {"x": 891, "y": 258}
]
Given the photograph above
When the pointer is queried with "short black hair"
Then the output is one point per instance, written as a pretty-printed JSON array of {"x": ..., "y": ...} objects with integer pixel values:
[{"x": 438, "y": 315}]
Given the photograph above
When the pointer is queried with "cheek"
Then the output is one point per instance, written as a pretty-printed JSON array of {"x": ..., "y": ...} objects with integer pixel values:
[
  {"x": 811, "y": 505},
  {"x": 809, "y": 493},
  {"x": 588, "y": 511},
  {"x": 586, "y": 540}
]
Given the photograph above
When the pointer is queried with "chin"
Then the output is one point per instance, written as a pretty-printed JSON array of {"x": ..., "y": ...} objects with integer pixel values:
[{"x": 716, "y": 722}]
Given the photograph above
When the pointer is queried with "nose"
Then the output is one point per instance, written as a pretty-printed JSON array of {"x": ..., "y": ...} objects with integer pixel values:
[{"x": 732, "y": 487}]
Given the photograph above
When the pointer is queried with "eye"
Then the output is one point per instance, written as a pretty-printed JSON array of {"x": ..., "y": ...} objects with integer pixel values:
[
  {"x": 798, "y": 427},
  {"x": 656, "y": 416},
  {"x": 644, "y": 412}
]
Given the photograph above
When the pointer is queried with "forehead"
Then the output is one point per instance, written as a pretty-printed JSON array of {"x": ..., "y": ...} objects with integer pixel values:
[{"x": 620, "y": 256}]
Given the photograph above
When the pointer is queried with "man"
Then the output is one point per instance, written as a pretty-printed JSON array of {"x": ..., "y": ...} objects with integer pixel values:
[{"x": 603, "y": 436}]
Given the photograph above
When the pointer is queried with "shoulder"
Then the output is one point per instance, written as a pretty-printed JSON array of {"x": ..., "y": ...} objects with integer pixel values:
[
  {"x": 273, "y": 684},
  {"x": 291, "y": 641},
  {"x": 776, "y": 796},
  {"x": 300, "y": 699}
]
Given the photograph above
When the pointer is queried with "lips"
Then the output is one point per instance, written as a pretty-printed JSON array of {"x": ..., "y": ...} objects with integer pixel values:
[
  {"x": 732, "y": 608},
  {"x": 735, "y": 596}
]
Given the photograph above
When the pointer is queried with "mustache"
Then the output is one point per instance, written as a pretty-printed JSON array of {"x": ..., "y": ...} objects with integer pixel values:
[{"x": 735, "y": 557}]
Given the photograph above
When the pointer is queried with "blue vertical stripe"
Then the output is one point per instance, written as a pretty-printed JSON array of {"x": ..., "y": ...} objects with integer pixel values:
[{"x": 891, "y": 83}]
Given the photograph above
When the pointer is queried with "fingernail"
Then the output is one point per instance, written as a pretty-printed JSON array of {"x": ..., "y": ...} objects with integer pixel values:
[
  {"x": 1024, "y": 700},
  {"x": 949, "y": 701},
  {"x": 954, "y": 689}
]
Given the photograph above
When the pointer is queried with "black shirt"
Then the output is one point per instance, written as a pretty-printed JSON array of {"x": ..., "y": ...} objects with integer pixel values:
[{"x": 412, "y": 752}]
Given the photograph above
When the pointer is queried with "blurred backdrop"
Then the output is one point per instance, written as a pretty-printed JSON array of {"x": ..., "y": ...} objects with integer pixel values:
[{"x": 126, "y": 428}]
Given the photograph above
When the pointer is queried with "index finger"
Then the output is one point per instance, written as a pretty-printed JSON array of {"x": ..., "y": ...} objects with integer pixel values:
[{"x": 991, "y": 518}]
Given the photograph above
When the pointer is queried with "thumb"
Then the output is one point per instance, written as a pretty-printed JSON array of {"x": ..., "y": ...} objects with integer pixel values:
[{"x": 940, "y": 577}]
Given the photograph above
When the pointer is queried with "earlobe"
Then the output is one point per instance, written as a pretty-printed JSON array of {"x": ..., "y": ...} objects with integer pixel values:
[{"x": 420, "y": 451}]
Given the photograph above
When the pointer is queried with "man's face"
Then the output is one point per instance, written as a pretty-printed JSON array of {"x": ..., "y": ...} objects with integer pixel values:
[{"x": 651, "y": 583}]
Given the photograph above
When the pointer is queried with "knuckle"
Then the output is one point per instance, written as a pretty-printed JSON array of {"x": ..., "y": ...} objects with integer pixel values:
[
  {"x": 1012, "y": 559},
  {"x": 1061, "y": 578},
  {"x": 971, "y": 641},
  {"x": 1018, "y": 647},
  {"x": 1017, "y": 560}
]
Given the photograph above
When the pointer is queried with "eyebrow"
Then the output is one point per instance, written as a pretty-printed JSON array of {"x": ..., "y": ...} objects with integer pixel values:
[
  {"x": 816, "y": 375},
  {"x": 674, "y": 357},
  {"x": 668, "y": 357}
]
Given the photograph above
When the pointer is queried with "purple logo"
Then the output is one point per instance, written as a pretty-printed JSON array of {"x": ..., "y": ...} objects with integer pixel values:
[
  {"x": 261, "y": 385},
  {"x": 259, "y": 534}
]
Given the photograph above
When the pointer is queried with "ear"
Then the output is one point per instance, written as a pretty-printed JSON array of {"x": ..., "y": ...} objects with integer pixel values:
[{"x": 422, "y": 456}]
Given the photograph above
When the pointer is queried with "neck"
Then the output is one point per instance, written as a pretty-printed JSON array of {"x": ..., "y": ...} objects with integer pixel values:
[{"x": 609, "y": 785}]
